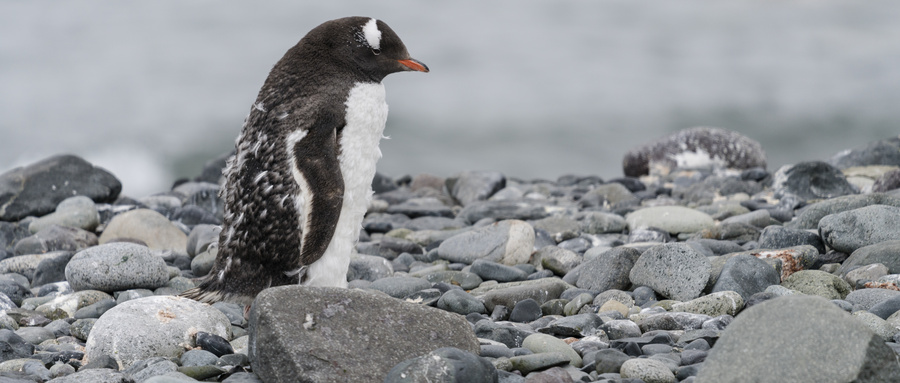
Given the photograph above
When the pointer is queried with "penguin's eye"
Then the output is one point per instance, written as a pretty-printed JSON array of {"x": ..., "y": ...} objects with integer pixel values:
[{"x": 376, "y": 51}]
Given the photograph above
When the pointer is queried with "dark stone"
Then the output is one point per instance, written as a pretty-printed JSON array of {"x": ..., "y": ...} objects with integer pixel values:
[
  {"x": 758, "y": 298},
  {"x": 450, "y": 365},
  {"x": 10, "y": 234},
  {"x": 882, "y": 152},
  {"x": 746, "y": 275},
  {"x": 206, "y": 198},
  {"x": 213, "y": 343},
  {"x": 510, "y": 336},
  {"x": 633, "y": 185},
  {"x": 13, "y": 346},
  {"x": 810, "y": 215},
  {"x": 779, "y": 237},
  {"x": 525, "y": 311},
  {"x": 192, "y": 215},
  {"x": 36, "y": 189},
  {"x": 885, "y": 308},
  {"x": 473, "y": 186},
  {"x": 56, "y": 238},
  {"x": 382, "y": 183},
  {"x": 212, "y": 169},
  {"x": 52, "y": 269},
  {"x": 884, "y": 253},
  {"x": 503, "y": 209},
  {"x": 102, "y": 361},
  {"x": 15, "y": 291},
  {"x": 607, "y": 360},
  {"x": 488, "y": 270},
  {"x": 719, "y": 247},
  {"x": 609, "y": 270},
  {"x": 888, "y": 181},
  {"x": 95, "y": 310},
  {"x": 726, "y": 147},
  {"x": 812, "y": 180}
]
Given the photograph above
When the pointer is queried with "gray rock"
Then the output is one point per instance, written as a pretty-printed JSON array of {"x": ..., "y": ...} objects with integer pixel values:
[
  {"x": 26, "y": 264},
  {"x": 300, "y": 333},
  {"x": 884, "y": 253},
  {"x": 669, "y": 321},
  {"x": 887, "y": 182},
  {"x": 854, "y": 229},
  {"x": 608, "y": 194},
  {"x": 203, "y": 262},
  {"x": 504, "y": 209},
  {"x": 10, "y": 234},
  {"x": 686, "y": 147},
  {"x": 621, "y": 328},
  {"x": 608, "y": 360},
  {"x": 56, "y": 238},
  {"x": 865, "y": 299},
  {"x": 81, "y": 328},
  {"x": 488, "y": 270},
  {"x": 886, "y": 308},
  {"x": 13, "y": 346},
  {"x": 243, "y": 377},
  {"x": 779, "y": 237},
  {"x": 147, "y": 226},
  {"x": 673, "y": 270},
  {"x": 421, "y": 207},
  {"x": 158, "y": 368},
  {"x": 116, "y": 266},
  {"x": 672, "y": 219},
  {"x": 94, "y": 375},
  {"x": 715, "y": 304},
  {"x": 770, "y": 340},
  {"x": 758, "y": 218},
  {"x": 648, "y": 370},
  {"x": 881, "y": 152},
  {"x": 560, "y": 228},
  {"x": 448, "y": 364},
  {"x": 508, "y": 294},
  {"x": 35, "y": 335},
  {"x": 508, "y": 242},
  {"x": 535, "y": 362},
  {"x": 78, "y": 212},
  {"x": 810, "y": 216},
  {"x": 460, "y": 302},
  {"x": 167, "y": 325},
  {"x": 580, "y": 326},
  {"x": 865, "y": 273},
  {"x": 400, "y": 287},
  {"x": 543, "y": 343},
  {"x": 608, "y": 270},
  {"x": 559, "y": 261},
  {"x": 38, "y": 188},
  {"x": 815, "y": 282},
  {"x": 198, "y": 358},
  {"x": 472, "y": 186},
  {"x": 52, "y": 269},
  {"x": 877, "y": 324},
  {"x": 201, "y": 237},
  {"x": 812, "y": 180},
  {"x": 600, "y": 223},
  {"x": 369, "y": 268},
  {"x": 746, "y": 275}
]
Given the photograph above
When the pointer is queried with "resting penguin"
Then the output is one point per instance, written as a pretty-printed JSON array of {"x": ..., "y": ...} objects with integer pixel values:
[{"x": 298, "y": 185}]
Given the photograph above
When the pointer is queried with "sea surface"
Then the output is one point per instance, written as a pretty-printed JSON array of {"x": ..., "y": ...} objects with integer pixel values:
[{"x": 535, "y": 89}]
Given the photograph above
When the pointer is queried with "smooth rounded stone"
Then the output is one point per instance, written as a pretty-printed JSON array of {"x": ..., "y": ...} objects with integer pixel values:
[
  {"x": 203, "y": 262},
  {"x": 493, "y": 271},
  {"x": 283, "y": 346},
  {"x": 505, "y": 334},
  {"x": 461, "y": 302},
  {"x": 850, "y": 230},
  {"x": 542, "y": 343},
  {"x": 94, "y": 375},
  {"x": 865, "y": 273},
  {"x": 508, "y": 242},
  {"x": 809, "y": 216},
  {"x": 594, "y": 222},
  {"x": 608, "y": 270},
  {"x": 746, "y": 275},
  {"x": 757, "y": 218},
  {"x": 718, "y": 323},
  {"x": 770, "y": 340},
  {"x": 368, "y": 267},
  {"x": 608, "y": 360},
  {"x": 608, "y": 194},
  {"x": 888, "y": 181},
  {"x": 52, "y": 269},
  {"x": 615, "y": 306},
  {"x": 673, "y": 219},
  {"x": 883, "y": 252},
  {"x": 471, "y": 186},
  {"x": 155, "y": 367},
  {"x": 61, "y": 369},
  {"x": 167, "y": 324},
  {"x": 191, "y": 215},
  {"x": 56, "y": 238},
  {"x": 127, "y": 295},
  {"x": 95, "y": 310},
  {"x": 446, "y": 364},
  {"x": 648, "y": 370},
  {"x": 213, "y": 343},
  {"x": 27, "y": 264},
  {"x": 399, "y": 287},
  {"x": 559, "y": 261},
  {"x": 465, "y": 280},
  {"x": 886, "y": 307},
  {"x": 198, "y": 358},
  {"x": 508, "y": 294},
  {"x": 35, "y": 335},
  {"x": 779, "y": 237},
  {"x": 880, "y": 152},
  {"x": 715, "y": 304},
  {"x": 812, "y": 180},
  {"x": 14, "y": 293},
  {"x": 201, "y": 237},
  {"x": 694, "y": 147},
  {"x": 525, "y": 310},
  {"x": 815, "y": 282},
  {"x": 421, "y": 207},
  {"x": 576, "y": 304},
  {"x": 621, "y": 328},
  {"x": 877, "y": 324},
  {"x": 674, "y": 270},
  {"x": 38, "y": 188},
  {"x": 65, "y": 306},
  {"x": 148, "y": 226},
  {"x": 560, "y": 228},
  {"x": 78, "y": 212},
  {"x": 581, "y": 325},
  {"x": 537, "y": 362},
  {"x": 116, "y": 266},
  {"x": 242, "y": 377},
  {"x": 13, "y": 346}
]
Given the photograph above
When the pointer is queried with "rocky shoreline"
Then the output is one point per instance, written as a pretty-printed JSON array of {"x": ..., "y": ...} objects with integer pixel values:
[{"x": 700, "y": 266}]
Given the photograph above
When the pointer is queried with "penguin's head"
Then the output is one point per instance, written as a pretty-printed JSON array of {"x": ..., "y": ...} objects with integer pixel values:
[{"x": 365, "y": 45}]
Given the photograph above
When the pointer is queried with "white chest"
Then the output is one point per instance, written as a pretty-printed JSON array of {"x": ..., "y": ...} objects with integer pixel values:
[{"x": 365, "y": 119}]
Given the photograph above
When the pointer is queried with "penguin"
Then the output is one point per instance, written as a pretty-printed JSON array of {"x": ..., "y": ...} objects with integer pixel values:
[{"x": 299, "y": 182}]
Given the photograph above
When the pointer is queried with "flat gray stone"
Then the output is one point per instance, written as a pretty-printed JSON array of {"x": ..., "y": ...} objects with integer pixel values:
[
  {"x": 116, "y": 266},
  {"x": 154, "y": 326},
  {"x": 850, "y": 230},
  {"x": 508, "y": 242},
  {"x": 672, "y": 219},
  {"x": 799, "y": 339},
  {"x": 674, "y": 270},
  {"x": 865, "y": 299},
  {"x": 884, "y": 253},
  {"x": 301, "y": 333},
  {"x": 400, "y": 286},
  {"x": 508, "y": 294},
  {"x": 809, "y": 216},
  {"x": 540, "y": 343}
]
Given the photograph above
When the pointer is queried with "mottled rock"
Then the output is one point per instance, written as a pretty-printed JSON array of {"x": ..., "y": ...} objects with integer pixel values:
[
  {"x": 673, "y": 270},
  {"x": 815, "y": 282},
  {"x": 116, "y": 266},
  {"x": 715, "y": 304}
]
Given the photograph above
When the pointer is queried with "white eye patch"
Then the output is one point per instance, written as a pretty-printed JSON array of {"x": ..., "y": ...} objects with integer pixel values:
[{"x": 372, "y": 34}]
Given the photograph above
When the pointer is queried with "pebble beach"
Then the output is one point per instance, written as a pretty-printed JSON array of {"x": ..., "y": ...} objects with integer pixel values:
[{"x": 697, "y": 264}]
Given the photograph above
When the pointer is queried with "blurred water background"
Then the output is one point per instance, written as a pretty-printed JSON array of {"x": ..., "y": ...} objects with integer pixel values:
[{"x": 151, "y": 90}]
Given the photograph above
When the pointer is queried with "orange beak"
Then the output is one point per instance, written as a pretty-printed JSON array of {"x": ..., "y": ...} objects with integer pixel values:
[{"x": 414, "y": 64}]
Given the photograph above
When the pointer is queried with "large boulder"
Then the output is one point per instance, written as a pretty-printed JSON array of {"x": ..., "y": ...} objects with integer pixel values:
[
  {"x": 326, "y": 334},
  {"x": 38, "y": 188},
  {"x": 799, "y": 338}
]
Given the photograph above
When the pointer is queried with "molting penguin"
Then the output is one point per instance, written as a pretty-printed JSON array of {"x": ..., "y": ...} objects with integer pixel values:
[{"x": 298, "y": 186}]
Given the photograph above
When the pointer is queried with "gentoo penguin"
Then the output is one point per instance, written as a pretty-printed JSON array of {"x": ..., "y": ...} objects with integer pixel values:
[{"x": 298, "y": 185}]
